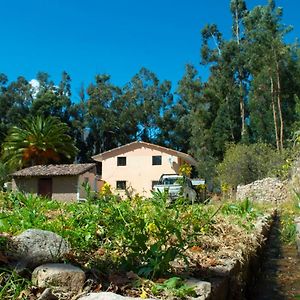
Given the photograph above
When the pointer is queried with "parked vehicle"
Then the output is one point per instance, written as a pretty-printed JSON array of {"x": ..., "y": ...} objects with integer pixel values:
[{"x": 176, "y": 185}]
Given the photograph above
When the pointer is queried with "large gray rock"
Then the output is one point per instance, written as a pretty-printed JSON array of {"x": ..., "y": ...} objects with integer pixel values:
[
  {"x": 106, "y": 296},
  {"x": 202, "y": 288},
  {"x": 34, "y": 247},
  {"x": 64, "y": 276}
]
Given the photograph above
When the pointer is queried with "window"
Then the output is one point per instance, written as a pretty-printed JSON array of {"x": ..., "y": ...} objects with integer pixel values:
[
  {"x": 121, "y": 185},
  {"x": 121, "y": 161},
  {"x": 154, "y": 182},
  {"x": 156, "y": 160}
]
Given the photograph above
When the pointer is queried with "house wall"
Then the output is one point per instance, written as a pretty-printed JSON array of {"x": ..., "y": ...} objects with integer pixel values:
[
  {"x": 64, "y": 188},
  {"x": 139, "y": 171},
  {"x": 87, "y": 177},
  {"x": 25, "y": 184}
]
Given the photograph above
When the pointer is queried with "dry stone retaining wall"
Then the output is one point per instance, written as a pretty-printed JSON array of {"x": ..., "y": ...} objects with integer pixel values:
[{"x": 266, "y": 190}]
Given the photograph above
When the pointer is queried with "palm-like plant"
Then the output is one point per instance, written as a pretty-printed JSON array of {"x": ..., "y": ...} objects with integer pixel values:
[{"x": 38, "y": 141}]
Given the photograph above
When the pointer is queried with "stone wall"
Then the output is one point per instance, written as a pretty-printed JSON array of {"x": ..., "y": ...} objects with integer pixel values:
[{"x": 266, "y": 190}]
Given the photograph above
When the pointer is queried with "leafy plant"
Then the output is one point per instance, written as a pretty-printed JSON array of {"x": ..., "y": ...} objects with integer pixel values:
[
  {"x": 174, "y": 286},
  {"x": 243, "y": 164},
  {"x": 289, "y": 211},
  {"x": 38, "y": 141}
]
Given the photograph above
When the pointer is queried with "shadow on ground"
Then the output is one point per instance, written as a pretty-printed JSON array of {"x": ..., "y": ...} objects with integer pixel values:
[{"x": 279, "y": 275}]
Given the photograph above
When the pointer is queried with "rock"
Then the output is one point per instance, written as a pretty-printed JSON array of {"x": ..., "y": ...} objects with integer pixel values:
[
  {"x": 64, "y": 276},
  {"x": 202, "y": 288},
  {"x": 266, "y": 190},
  {"x": 106, "y": 296},
  {"x": 34, "y": 247},
  {"x": 47, "y": 295}
]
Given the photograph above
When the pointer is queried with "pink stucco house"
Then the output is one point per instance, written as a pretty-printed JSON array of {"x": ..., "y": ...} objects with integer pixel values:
[{"x": 137, "y": 166}]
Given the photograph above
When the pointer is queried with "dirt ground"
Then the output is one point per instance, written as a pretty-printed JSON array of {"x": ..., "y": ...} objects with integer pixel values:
[{"x": 279, "y": 277}]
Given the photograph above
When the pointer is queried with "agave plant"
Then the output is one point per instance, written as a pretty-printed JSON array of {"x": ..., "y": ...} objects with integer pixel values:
[{"x": 38, "y": 141}]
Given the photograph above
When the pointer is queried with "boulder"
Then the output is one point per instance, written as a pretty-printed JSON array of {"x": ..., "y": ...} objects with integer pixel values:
[
  {"x": 106, "y": 296},
  {"x": 202, "y": 288},
  {"x": 64, "y": 276},
  {"x": 34, "y": 247}
]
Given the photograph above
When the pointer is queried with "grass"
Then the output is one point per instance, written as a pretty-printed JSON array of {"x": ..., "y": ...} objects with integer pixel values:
[
  {"x": 289, "y": 210},
  {"x": 143, "y": 236}
]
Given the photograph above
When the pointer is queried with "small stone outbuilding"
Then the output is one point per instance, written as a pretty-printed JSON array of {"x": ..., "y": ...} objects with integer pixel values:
[{"x": 60, "y": 182}]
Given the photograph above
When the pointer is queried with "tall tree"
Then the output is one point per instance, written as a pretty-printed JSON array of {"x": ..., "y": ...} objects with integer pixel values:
[
  {"x": 52, "y": 100},
  {"x": 269, "y": 55},
  {"x": 150, "y": 100},
  {"x": 102, "y": 122},
  {"x": 15, "y": 101}
]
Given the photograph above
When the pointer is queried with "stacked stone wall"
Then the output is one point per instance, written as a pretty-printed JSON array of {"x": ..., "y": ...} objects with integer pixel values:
[{"x": 266, "y": 190}]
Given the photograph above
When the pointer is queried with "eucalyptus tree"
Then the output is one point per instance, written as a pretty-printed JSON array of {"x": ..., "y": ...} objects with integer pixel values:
[
  {"x": 52, "y": 100},
  {"x": 102, "y": 121},
  {"x": 269, "y": 62},
  {"x": 176, "y": 122},
  {"x": 15, "y": 101},
  {"x": 149, "y": 100}
]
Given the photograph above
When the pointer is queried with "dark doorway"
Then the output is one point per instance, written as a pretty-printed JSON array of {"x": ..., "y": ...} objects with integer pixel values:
[{"x": 45, "y": 187}]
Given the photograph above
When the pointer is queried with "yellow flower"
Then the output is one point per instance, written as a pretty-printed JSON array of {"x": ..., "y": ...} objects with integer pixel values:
[
  {"x": 143, "y": 294},
  {"x": 151, "y": 227},
  {"x": 105, "y": 189}
]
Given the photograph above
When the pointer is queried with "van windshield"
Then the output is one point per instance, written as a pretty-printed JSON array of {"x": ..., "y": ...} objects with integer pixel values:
[{"x": 172, "y": 180}]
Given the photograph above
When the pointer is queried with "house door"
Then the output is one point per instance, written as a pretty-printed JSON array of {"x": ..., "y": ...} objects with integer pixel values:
[{"x": 45, "y": 187}]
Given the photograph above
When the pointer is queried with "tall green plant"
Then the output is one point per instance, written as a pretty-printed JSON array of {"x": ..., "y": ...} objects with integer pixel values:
[{"x": 38, "y": 141}]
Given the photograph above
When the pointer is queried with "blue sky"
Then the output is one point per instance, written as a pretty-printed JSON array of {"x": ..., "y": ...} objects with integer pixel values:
[{"x": 118, "y": 37}]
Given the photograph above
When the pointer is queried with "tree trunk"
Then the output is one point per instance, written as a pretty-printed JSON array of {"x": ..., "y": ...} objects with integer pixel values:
[
  {"x": 279, "y": 100},
  {"x": 274, "y": 114},
  {"x": 242, "y": 111}
]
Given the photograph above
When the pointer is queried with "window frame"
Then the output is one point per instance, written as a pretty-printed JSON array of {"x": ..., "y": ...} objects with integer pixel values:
[
  {"x": 153, "y": 183},
  {"x": 121, "y": 160},
  {"x": 121, "y": 188},
  {"x": 154, "y": 157}
]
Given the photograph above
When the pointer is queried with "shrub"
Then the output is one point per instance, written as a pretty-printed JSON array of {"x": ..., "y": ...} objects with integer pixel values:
[{"x": 243, "y": 164}]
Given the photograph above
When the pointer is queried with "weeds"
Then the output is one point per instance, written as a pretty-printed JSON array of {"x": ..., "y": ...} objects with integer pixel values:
[
  {"x": 139, "y": 235},
  {"x": 11, "y": 284},
  {"x": 289, "y": 211}
]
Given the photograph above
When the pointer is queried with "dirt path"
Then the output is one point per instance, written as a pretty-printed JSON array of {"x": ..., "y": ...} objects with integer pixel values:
[{"x": 280, "y": 273}]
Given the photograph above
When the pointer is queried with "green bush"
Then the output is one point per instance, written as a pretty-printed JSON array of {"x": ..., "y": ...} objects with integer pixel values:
[
  {"x": 142, "y": 235},
  {"x": 243, "y": 164}
]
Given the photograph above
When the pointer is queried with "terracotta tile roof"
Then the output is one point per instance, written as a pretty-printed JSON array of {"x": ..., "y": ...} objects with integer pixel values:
[
  {"x": 188, "y": 158},
  {"x": 54, "y": 170}
]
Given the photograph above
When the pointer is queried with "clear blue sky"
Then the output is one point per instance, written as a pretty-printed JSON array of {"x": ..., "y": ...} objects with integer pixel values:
[{"x": 118, "y": 37}]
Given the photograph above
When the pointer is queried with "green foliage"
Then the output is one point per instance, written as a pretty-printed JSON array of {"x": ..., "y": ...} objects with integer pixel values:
[
  {"x": 12, "y": 284},
  {"x": 139, "y": 235},
  {"x": 174, "y": 286},
  {"x": 4, "y": 174},
  {"x": 38, "y": 141},
  {"x": 243, "y": 164},
  {"x": 289, "y": 211}
]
